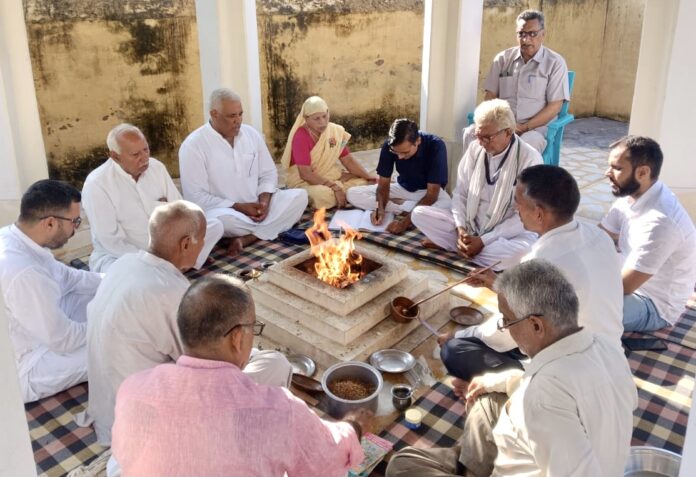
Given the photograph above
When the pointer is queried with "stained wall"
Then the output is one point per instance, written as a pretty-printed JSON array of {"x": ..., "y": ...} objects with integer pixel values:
[
  {"x": 97, "y": 63},
  {"x": 362, "y": 56}
]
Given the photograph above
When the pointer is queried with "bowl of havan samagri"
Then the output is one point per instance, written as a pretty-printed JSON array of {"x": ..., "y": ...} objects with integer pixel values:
[
  {"x": 351, "y": 385},
  {"x": 402, "y": 309}
]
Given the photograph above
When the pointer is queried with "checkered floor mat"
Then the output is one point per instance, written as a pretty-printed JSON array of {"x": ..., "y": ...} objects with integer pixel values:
[
  {"x": 58, "y": 443},
  {"x": 684, "y": 330}
]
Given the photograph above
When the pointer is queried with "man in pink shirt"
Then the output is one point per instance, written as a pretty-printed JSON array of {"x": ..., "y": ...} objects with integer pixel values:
[{"x": 203, "y": 416}]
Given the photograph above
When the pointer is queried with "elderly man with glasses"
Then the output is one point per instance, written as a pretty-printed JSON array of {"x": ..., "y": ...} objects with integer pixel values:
[
  {"x": 482, "y": 225},
  {"x": 132, "y": 319},
  {"x": 532, "y": 78},
  {"x": 45, "y": 299},
  {"x": 570, "y": 412},
  {"x": 203, "y": 416}
]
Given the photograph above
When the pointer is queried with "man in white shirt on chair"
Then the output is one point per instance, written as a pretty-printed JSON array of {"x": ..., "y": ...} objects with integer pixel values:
[
  {"x": 654, "y": 236},
  {"x": 132, "y": 319},
  {"x": 120, "y": 195},
  {"x": 227, "y": 170},
  {"x": 45, "y": 299},
  {"x": 532, "y": 78}
]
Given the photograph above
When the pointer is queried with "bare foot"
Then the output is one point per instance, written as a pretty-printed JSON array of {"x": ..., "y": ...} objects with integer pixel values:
[
  {"x": 237, "y": 244},
  {"x": 427, "y": 243}
]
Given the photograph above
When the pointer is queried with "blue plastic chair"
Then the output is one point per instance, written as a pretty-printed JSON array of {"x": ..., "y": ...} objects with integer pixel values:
[{"x": 554, "y": 133}]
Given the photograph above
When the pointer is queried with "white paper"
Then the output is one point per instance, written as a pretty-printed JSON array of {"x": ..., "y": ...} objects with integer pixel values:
[{"x": 359, "y": 220}]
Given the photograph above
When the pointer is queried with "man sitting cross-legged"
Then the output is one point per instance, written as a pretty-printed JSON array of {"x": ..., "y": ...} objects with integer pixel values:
[
  {"x": 569, "y": 413},
  {"x": 421, "y": 161},
  {"x": 120, "y": 195},
  {"x": 45, "y": 299},
  {"x": 203, "y": 416},
  {"x": 132, "y": 319},
  {"x": 482, "y": 225},
  {"x": 546, "y": 198},
  {"x": 227, "y": 170}
]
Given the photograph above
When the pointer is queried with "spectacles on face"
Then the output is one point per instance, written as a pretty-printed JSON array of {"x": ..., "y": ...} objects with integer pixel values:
[
  {"x": 502, "y": 325},
  {"x": 489, "y": 138},
  {"x": 76, "y": 221},
  {"x": 258, "y": 327},
  {"x": 529, "y": 34}
]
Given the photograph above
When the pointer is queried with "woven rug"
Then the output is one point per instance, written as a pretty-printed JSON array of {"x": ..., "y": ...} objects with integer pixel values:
[
  {"x": 58, "y": 443},
  {"x": 683, "y": 332}
]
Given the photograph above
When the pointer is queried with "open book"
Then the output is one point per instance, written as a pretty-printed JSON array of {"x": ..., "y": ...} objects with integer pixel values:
[
  {"x": 375, "y": 449},
  {"x": 359, "y": 220}
]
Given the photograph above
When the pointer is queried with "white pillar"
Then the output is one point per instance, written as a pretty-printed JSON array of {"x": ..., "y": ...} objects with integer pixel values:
[
  {"x": 22, "y": 153},
  {"x": 229, "y": 52},
  {"x": 664, "y": 100},
  {"x": 451, "y": 51},
  {"x": 16, "y": 456}
]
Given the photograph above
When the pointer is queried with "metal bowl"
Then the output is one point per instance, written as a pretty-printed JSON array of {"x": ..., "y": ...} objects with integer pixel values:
[
  {"x": 646, "y": 461},
  {"x": 392, "y": 360},
  {"x": 466, "y": 315},
  {"x": 302, "y": 364},
  {"x": 339, "y": 407}
]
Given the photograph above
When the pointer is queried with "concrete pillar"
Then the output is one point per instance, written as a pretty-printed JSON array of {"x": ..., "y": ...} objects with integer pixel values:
[
  {"x": 451, "y": 50},
  {"x": 665, "y": 98},
  {"x": 22, "y": 153},
  {"x": 229, "y": 52}
]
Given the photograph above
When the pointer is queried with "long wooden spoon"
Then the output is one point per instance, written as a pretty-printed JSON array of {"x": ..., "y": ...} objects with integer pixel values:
[{"x": 473, "y": 275}]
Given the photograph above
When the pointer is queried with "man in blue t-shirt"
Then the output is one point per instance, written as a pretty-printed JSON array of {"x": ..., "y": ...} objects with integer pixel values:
[{"x": 421, "y": 161}]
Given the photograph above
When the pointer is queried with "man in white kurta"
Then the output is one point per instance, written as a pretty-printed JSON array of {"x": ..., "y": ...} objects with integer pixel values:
[
  {"x": 119, "y": 196},
  {"x": 483, "y": 225},
  {"x": 569, "y": 413},
  {"x": 546, "y": 199},
  {"x": 226, "y": 169},
  {"x": 132, "y": 319},
  {"x": 45, "y": 300}
]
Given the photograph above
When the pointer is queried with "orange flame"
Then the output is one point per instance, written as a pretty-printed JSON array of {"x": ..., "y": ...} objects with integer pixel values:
[{"x": 336, "y": 259}]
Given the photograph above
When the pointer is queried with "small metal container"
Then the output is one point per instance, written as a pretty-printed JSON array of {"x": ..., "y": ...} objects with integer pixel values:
[
  {"x": 339, "y": 407},
  {"x": 401, "y": 396},
  {"x": 646, "y": 461}
]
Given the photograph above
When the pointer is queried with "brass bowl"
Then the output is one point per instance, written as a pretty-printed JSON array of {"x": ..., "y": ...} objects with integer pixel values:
[{"x": 399, "y": 305}]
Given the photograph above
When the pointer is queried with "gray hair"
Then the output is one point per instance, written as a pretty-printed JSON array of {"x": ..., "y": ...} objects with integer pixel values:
[
  {"x": 117, "y": 132},
  {"x": 495, "y": 111},
  {"x": 537, "y": 287},
  {"x": 171, "y": 222},
  {"x": 529, "y": 15},
  {"x": 222, "y": 94},
  {"x": 211, "y": 307}
]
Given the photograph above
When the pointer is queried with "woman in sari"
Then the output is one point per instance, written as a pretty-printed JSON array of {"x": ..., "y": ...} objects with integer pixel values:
[{"x": 315, "y": 151}]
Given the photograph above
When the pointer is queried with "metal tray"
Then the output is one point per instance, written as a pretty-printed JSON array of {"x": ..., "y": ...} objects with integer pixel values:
[
  {"x": 392, "y": 360},
  {"x": 467, "y": 316},
  {"x": 646, "y": 461},
  {"x": 302, "y": 364}
]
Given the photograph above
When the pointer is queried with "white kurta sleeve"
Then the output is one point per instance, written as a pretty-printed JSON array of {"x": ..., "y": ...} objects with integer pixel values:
[
  {"x": 193, "y": 169},
  {"x": 171, "y": 192},
  {"x": 103, "y": 223},
  {"x": 459, "y": 196},
  {"x": 79, "y": 281},
  {"x": 268, "y": 173},
  {"x": 34, "y": 300}
]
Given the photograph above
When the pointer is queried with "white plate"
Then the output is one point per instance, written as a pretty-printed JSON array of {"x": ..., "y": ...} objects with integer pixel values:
[{"x": 392, "y": 360}]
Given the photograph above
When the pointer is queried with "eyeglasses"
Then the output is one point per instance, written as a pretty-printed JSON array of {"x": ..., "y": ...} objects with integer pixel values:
[
  {"x": 489, "y": 138},
  {"x": 258, "y": 327},
  {"x": 502, "y": 325},
  {"x": 529, "y": 34},
  {"x": 76, "y": 221}
]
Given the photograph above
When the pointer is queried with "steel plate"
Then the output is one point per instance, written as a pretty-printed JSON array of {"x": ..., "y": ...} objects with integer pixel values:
[
  {"x": 467, "y": 316},
  {"x": 392, "y": 360},
  {"x": 302, "y": 364}
]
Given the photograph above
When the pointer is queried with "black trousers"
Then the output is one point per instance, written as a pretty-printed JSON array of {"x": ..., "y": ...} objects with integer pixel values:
[{"x": 468, "y": 357}]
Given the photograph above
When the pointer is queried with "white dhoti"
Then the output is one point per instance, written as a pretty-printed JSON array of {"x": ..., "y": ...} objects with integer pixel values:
[
  {"x": 365, "y": 197},
  {"x": 534, "y": 138},
  {"x": 268, "y": 367},
  {"x": 285, "y": 209},
  {"x": 213, "y": 233},
  {"x": 49, "y": 372},
  {"x": 438, "y": 225}
]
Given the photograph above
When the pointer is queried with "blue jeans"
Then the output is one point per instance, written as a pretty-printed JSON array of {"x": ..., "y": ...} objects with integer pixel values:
[{"x": 640, "y": 314}]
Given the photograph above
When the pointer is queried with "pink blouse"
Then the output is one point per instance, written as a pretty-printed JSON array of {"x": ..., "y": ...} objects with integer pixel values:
[{"x": 302, "y": 144}]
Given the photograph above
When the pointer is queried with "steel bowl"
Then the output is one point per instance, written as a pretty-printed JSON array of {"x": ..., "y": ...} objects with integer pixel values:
[
  {"x": 398, "y": 305},
  {"x": 466, "y": 315},
  {"x": 302, "y": 364},
  {"x": 646, "y": 461},
  {"x": 339, "y": 407}
]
